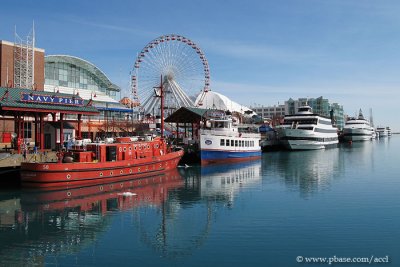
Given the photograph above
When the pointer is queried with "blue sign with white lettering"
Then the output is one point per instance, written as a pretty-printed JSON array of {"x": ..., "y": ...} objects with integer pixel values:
[{"x": 47, "y": 99}]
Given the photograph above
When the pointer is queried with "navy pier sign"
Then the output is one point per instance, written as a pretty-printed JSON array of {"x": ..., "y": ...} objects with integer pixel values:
[{"x": 47, "y": 99}]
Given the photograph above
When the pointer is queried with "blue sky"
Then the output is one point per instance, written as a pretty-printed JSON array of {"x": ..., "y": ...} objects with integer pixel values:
[{"x": 259, "y": 52}]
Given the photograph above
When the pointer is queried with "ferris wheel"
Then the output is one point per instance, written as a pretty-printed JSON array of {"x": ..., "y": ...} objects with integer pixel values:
[{"x": 183, "y": 68}]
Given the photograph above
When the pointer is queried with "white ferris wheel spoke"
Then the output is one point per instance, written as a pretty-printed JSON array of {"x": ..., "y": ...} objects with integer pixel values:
[{"x": 181, "y": 64}]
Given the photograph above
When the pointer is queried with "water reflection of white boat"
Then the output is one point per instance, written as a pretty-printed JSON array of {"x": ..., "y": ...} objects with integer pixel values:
[
  {"x": 186, "y": 218},
  {"x": 306, "y": 171},
  {"x": 229, "y": 179}
]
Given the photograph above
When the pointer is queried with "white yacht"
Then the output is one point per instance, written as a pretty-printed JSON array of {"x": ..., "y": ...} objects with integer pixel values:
[
  {"x": 382, "y": 132},
  {"x": 389, "y": 131},
  {"x": 306, "y": 130},
  {"x": 358, "y": 129}
]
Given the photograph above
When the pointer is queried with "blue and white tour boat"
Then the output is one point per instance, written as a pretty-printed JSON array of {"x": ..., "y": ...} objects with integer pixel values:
[{"x": 221, "y": 140}]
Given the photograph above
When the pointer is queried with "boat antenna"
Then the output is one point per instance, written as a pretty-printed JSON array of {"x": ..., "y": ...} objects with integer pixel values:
[{"x": 371, "y": 120}]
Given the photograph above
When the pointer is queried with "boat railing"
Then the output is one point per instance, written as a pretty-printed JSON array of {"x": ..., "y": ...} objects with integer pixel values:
[{"x": 229, "y": 132}]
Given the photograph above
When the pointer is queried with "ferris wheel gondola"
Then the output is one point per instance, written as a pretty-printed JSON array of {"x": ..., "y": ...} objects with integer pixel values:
[{"x": 184, "y": 69}]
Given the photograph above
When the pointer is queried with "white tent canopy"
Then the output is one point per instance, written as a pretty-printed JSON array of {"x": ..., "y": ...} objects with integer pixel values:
[{"x": 218, "y": 101}]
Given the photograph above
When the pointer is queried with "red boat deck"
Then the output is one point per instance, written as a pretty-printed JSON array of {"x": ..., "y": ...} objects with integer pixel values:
[{"x": 105, "y": 162}]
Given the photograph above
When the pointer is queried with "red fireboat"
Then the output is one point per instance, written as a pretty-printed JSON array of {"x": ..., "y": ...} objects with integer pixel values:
[{"x": 106, "y": 162}]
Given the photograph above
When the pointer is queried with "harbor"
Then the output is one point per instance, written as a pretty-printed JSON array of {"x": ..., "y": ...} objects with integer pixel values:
[
  {"x": 197, "y": 216},
  {"x": 199, "y": 134},
  {"x": 53, "y": 126}
]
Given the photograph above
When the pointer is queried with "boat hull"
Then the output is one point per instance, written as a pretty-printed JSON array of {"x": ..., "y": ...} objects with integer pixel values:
[
  {"x": 225, "y": 148},
  {"x": 296, "y": 139},
  {"x": 308, "y": 145},
  {"x": 219, "y": 156},
  {"x": 354, "y": 134},
  {"x": 68, "y": 174}
]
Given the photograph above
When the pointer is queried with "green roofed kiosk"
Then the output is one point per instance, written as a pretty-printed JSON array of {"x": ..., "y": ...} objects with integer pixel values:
[{"x": 19, "y": 104}]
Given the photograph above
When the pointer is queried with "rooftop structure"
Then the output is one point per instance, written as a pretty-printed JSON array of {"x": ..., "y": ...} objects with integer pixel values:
[{"x": 214, "y": 100}]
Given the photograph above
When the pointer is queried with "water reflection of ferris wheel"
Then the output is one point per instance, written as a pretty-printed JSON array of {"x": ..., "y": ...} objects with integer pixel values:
[
  {"x": 173, "y": 230},
  {"x": 184, "y": 69}
]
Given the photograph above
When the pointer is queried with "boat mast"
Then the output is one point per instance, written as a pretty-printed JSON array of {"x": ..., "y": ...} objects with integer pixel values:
[
  {"x": 159, "y": 93},
  {"x": 371, "y": 120},
  {"x": 162, "y": 108}
]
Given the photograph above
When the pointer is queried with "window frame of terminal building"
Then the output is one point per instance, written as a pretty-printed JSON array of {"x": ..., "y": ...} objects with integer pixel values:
[
  {"x": 70, "y": 75},
  {"x": 64, "y": 71}
]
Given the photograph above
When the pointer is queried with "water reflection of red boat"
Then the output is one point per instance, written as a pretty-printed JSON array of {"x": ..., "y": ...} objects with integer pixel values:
[
  {"x": 125, "y": 193},
  {"x": 103, "y": 162}
]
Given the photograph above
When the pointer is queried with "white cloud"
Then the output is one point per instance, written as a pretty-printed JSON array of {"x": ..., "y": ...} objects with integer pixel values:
[
  {"x": 131, "y": 29},
  {"x": 242, "y": 50}
]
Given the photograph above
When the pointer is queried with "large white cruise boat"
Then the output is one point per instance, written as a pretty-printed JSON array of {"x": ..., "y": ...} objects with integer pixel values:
[
  {"x": 382, "y": 132},
  {"x": 358, "y": 129},
  {"x": 222, "y": 141},
  {"x": 306, "y": 130}
]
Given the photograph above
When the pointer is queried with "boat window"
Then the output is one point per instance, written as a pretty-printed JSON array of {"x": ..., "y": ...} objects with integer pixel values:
[
  {"x": 219, "y": 124},
  {"x": 300, "y": 121},
  {"x": 222, "y": 143},
  {"x": 232, "y": 143},
  {"x": 227, "y": 142},
  {"x": 236, "y": 142},
  {"x": 302, "y": 109},
  {"x": 326, "y": 122},
  {"x": 306, "y": 128}
]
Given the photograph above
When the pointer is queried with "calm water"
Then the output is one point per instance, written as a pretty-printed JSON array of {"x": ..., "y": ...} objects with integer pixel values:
[{"x": 341, "y": 202}]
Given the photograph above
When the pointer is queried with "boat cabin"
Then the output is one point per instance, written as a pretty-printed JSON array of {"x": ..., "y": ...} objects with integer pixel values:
[
  {"x": 304, "y": 110},
  {"x": 122, "y": 149}
]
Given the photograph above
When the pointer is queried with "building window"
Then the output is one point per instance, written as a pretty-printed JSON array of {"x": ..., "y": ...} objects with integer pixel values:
[{"x": 27, "y": 130}]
